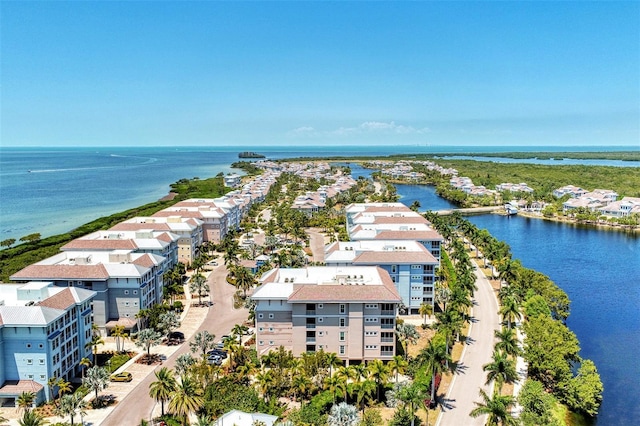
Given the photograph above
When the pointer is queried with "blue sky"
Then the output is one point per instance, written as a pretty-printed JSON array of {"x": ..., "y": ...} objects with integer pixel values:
[{"x": 313, "y": 73}]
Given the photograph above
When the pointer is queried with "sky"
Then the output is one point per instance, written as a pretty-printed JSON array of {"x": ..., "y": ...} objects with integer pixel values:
[{"x": 180, "y": 73}]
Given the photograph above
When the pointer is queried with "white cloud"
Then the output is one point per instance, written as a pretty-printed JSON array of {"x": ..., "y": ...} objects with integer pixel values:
[{"x": 367, "y": 127}]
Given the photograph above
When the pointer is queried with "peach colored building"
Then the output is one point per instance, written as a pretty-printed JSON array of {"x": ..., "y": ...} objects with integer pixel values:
[{"x": 350, "y": 311}]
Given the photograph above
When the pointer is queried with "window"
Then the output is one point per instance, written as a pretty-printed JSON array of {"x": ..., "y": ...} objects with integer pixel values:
[
  {"x": 371, "y": 347},
  {"x": 270, "y": 316},
  {"x": 320, "y": 319},
  {"x": 270, "y": 328},
  {"x": 394, "y": 268},
  {"x": 320, "y": 305},
  {"x": 371, "y": 306},
  {"x": 126, "y": 292},
  {"x": 29, "y": 362},
  {"x": 41, "y": 360},
  {"x": 261, "y": 342},
  {"x": 40, "y": 345},
  {"x": 135, "y": 291},
  {"x": 42, "y": 377},
  {"x": 260, "y": 329},
  {"x": 320, "y": 333},
  {"x": 341, "y": 350},
  {"x": 260, "y": 316},
  {"x": 343, "y": 308},
  {"x": 342, "y": 322},
  {"x": 371, "y": 320},
  {"x": 370, "y": 333},
  {"x": 342, "y": 334},
  {"x": 416, "y": 267},
  {"x": 270, "y": 342},
  {"x": 28, "y": 345}
]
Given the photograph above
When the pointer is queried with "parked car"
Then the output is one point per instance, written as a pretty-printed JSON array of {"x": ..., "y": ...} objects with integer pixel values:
[
  {"x": 214, "y": 359},
  {"x": 179, "y": 335},
  {"x": 218, "y": 352},
  {"x": 121, "y": 377}
]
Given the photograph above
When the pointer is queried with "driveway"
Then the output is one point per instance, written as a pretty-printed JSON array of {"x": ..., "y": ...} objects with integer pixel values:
[
  {"x": 470, "y": 377},
  {"x": 218, "y": 319}
]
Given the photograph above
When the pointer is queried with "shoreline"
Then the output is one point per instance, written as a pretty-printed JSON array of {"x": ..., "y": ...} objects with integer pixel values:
[{"x": 574, "y": 222}]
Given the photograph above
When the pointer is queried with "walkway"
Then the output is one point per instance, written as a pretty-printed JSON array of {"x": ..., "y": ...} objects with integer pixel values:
[{"x": 470, "y": 377}]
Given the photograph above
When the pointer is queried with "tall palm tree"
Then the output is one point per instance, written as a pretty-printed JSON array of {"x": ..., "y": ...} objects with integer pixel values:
[
  {"x": 378, "y": 371},
  {"x": 84, "y": 363},
  {"x": 333, "y": 361},
  {"x": 407, "y": 333},
  {"x": 435, "y": 357},
  {"x": 264, "y": 379},
  {"x": 96, "y": 379},
  {"x": 501, "y": 369},
  {"x": 63, "y": 387},
  {"x": 510, "y": 310},
  {"x": 202, "y": 342},
  {"x": 424, "y": 310},
  {"x": 164, "y": 387},
  {"x": 184, "y": 363},
  {"x": 412, "y": 396},
  {"x": 301, "y": 385},
  {"x": 239, "y": 330},
  {"x": 186, "y": 399},
  {"x": 337, "y": 385},
  {"x": 398, "y": 365},
  {"x": 497, "y": 407},
  {"x": 508, "y": 342},
  {"x": 198, "y": 285},
  {"x": 119, "y": 334},
  {"x": 244, "y": 279}
]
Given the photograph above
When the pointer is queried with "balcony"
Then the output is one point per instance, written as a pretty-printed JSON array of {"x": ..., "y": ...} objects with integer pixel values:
[
  {"x": 311, "y": 326},
  {"x": 386, "y": 353},
  {"x": 387, "y": 339},
  {"x": 311, "y": 339},
  {"x": 387, "y": 326},
  {"x": 387, "y": 312},
  {"x": 311, "y": 312}
]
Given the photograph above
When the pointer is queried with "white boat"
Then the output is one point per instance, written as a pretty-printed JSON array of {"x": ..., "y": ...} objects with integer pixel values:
[{"x": 510, "y": 209}]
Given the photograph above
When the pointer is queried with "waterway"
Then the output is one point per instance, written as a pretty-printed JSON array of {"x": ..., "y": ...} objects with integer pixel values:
[{"x": 600, "y": 271}]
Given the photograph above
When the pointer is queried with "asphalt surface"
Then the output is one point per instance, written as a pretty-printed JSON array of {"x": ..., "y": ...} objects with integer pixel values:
[
  {"x": 470, "y": 377},
  {"x": 218, "y": 319}
]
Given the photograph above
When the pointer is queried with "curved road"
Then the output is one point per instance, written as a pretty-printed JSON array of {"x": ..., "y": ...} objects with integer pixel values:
[
  {"x": 470, "y": 377},
  {"x": 219, "y": 320}
]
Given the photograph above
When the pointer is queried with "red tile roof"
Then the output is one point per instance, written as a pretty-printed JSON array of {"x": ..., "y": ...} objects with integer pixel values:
[
  {"x": 77, "y": 272},
  {"x": 409, "y": 235},
  {"x": 124, "y": 226},
  {"x": 61, "y": 300},
  {"x": 100, "y": 244},
  {"x": 377, "y": 257}
]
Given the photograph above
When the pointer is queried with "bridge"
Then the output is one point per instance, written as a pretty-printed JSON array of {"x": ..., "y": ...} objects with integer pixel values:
[{"x": 470, "y": 211}]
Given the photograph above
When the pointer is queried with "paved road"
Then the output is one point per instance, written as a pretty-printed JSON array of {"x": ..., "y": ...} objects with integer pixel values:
[
  {"x": 316, "y": 244},
  {"x": 466, "y": 384},
  {"x": 219, "y": 319}
]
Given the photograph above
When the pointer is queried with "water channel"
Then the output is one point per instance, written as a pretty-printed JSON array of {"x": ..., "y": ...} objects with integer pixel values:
[{"x": 599, "y": 270}]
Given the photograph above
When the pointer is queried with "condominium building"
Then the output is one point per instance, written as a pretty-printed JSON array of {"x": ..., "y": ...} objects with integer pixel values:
[
  {"x": 391, "y": 221},
  {"x": 124, "y": 281},
  {"x": 409, "y": 264},
  {"x": 350, "y": 311},
  {"x": 43, "y": 333},
  {"x": 188, "y": 229}
]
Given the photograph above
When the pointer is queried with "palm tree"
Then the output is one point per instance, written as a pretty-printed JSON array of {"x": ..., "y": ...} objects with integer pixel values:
[
  {"x": 300, "y": 385},
  {"x": 142, "y": 316},
  {"x": 239, "y": 330},
  {"x": 163, "y": 388},
  {"x": 337, "y": 385},
  {"x": 25, "y": 400},
  {"x": 378, "y": 371},
  {"x": 398, "y": 365},
  {"x": 203, "y": 341},
  {"x": 510, "y": 310},
  {"x": 498, "y": 409},
  {"x": 333, "y": 361},
  {"x": 70, "y": 405},
  {"x": 343, "y": 414},
  {"x": 501, "y": 369},
  {"x": 424, "y": 310},
  {"x": 96, "y": 379},
  {"x": 32, "y": 418},
  {"x": 84, "y": 363},
  {"x": 183, "y": 363},
  {"x": 186, "y": 399},
  {"x": 265, "y": 379},
  {"x": 435, "y": 357},
  {"x": 363, "y": 391},
  {"x": 507, "y": 342},
  {"x": 413, "y": 396},
  {"x": 198, "y": 285},
  {"x": 407, "y": 333},
  {"x": 63, "y": 387},
  {"x": 147, "y": 338},
  {"x": 119, "y": 334},
  {"x": 244, "y": 279}
]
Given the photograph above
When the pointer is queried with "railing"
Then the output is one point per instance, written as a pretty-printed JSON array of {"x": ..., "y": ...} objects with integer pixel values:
[
  {"x": 311, "y": 339},
  {"x": 311, "y": 326},
  {"x": 386, "y": 339},
  {"x": 387, "y": 312},
  {"x": 387, "y": 326},
  {"x": 386, "y": 353},
  {"x": 311, "y": 312}
]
